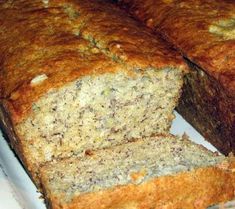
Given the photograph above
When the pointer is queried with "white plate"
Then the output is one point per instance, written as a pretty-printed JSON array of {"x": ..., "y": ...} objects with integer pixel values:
[{"x": 18, "y": 192}]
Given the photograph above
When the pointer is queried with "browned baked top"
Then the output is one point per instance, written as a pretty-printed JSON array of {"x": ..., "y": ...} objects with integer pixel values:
[
  {"x": 204, "y": 30},
  {"x": 62, "y": 40}
]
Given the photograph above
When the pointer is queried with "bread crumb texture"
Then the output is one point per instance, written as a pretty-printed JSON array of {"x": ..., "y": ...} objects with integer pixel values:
[
  {"x": 99, "y": 111},
  {"x": 133, "y": 162}
]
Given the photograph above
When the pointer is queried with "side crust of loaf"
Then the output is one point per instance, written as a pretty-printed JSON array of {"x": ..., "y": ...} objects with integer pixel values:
[
  {"x": 208, "y": 107},
  {"x": 196, "y": 189},
  {"x": 14, "y": 141}
]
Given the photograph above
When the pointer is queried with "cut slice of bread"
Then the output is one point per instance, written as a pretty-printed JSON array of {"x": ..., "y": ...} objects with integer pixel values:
[{"x": 155, "y": 172}]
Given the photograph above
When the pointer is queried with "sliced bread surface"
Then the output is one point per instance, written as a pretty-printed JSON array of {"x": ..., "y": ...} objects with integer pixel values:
[
  {"x": 99, "y": 111},
  {"x": 155, "y": 172}
]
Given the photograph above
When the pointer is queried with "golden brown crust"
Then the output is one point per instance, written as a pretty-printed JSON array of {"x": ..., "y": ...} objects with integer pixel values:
[
  {"x": 188, "y": 26},
  {"x": 194, "y": 189},
  {"x": 65, "y": 40},
  {"x": 123, "y": 37},
  {"x": 151, "y": 12},
  {"x": 14, "y": 141}
]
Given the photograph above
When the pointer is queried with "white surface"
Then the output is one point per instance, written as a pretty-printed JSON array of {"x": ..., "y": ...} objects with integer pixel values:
[
  {"x": 180, "y": 126},
  {"x": 7, "y": 195},
  {"x": 17, "y": 190}
]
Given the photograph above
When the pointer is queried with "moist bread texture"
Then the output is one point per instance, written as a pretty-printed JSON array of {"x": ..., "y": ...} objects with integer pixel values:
[
  {"x": 155, "y": 172},
  {"x": 78, "y": 75},
  {"x": 204, "y": 32}
]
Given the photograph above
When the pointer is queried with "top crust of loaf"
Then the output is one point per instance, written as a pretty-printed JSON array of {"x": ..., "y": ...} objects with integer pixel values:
[
  {"x": 203, "y": 30},
  {"x": 47, "y": 44}
]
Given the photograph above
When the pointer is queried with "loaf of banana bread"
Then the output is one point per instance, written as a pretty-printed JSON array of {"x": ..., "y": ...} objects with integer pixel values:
[
  {"x": 204, "y": 32},
  {"x": 155, "y": 172},
  {"x": 78, "y": 75}
]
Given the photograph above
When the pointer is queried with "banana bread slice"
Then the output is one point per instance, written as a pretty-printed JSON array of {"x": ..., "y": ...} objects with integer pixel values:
[
  {"x": 90, "y": 78},
  {"x": 155, "y": 172}
]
